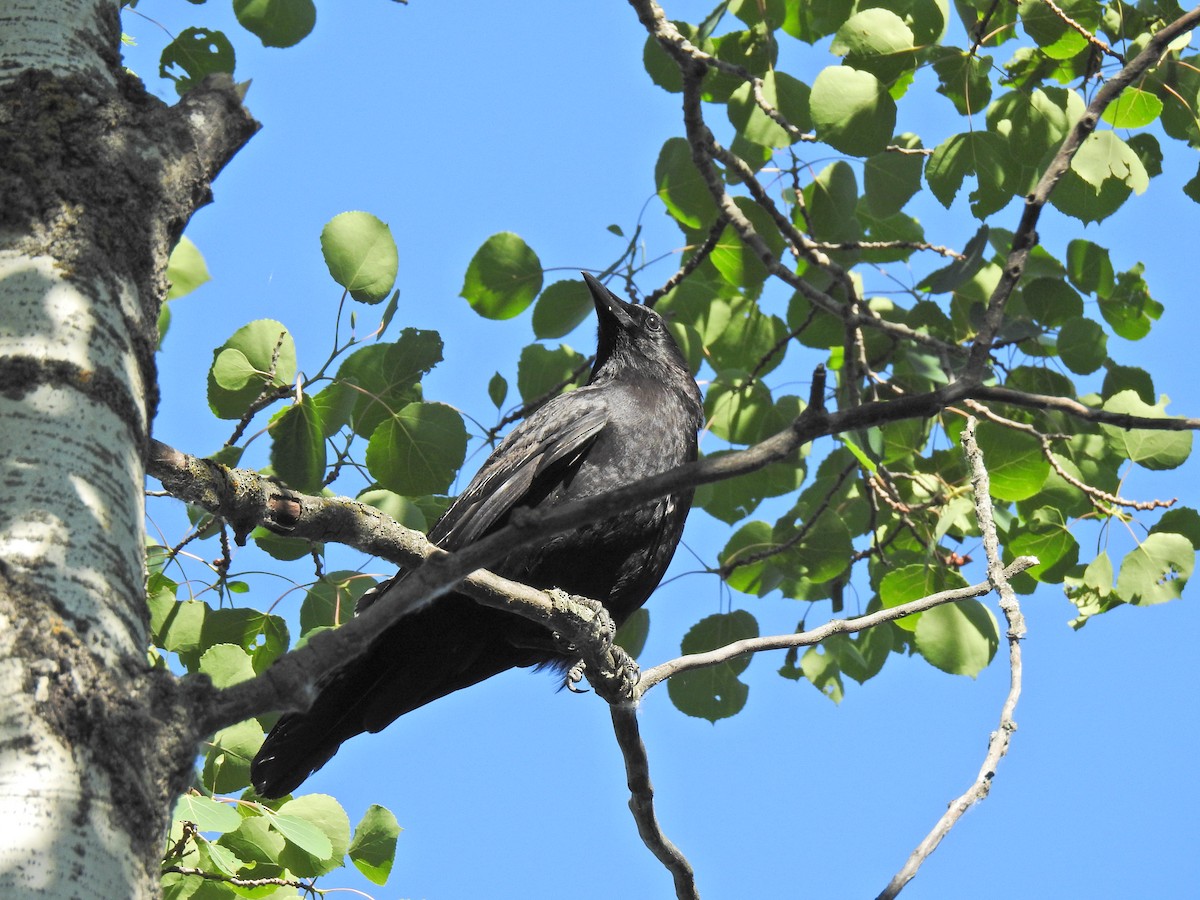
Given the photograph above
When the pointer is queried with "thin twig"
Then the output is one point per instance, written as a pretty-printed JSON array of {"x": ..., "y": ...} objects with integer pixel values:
[
  {"x": 661, "y": 672},
  {"x": 1096, "y": 496},
  {"x": 999, "y": 741},
  {"x": 701, "y": 254},
  {"x": 1087, "y": 35}
]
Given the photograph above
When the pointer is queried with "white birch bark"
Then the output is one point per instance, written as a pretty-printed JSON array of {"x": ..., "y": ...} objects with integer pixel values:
[{"x": 83, "y": 802}]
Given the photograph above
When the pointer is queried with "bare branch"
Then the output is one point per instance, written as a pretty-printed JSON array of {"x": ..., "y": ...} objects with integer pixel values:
[
  {"x": 663, "y": 671},
  {"x": 641, "y": 800},
  {"x": 1079, "y": 411},
  {"x": 1097, "y": 497},
  {"x": 999, "y": 741}
]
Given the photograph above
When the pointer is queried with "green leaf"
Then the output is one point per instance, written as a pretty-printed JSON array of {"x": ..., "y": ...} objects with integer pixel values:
[
  {"x": 207, "y": 814},
  {"x": 715, "y": 692},
  {"x": 891, "y": 179},
  {"x": 1134, "y": 108},
  {"x": 498, "y": 390},
  {"x": 822, "y": 554},
  {"x": 978, "y": 153},
  {"x": 226, "y": 664},
  {"x": 681, "y": 187},
  {"x": 631, "y": 636},
  {"x": 820, "y": 667},
  {"x": 227, "y": 762},
  {"x": 754, "y": 50},
  {"x": 540, "y": 370},
  {"x": 1128, "y": 378},
  {"x": 1083, "y": 345},
  {"x": 965, "y": 78},
  {"x": 267, "y": 347},
  {"x": 737, "y": 263},
  {"x": 661, "y": 67},
  {"x": 876, "y": 40},
  {"x": 783, "y": 93},
  {"x": 277, "y": 23},
  {"x": 1192, "y": 188},
  {"x": 419, "y": 450},
  {"x": 747, "y": 542},
  {"x": 960, "y": 638},
  {"x": 692, "y": 303},
  {"x": 332, "y": 599},
  {"x": 231, "y": 370},
  {"x": 373, "y": 850},
  {"x": 386, "y": 376},
  {"x": 1015, "y": 463},
  {"x": 194, "y": 54},
  {"x": 298, "y": 446},
  {"x": 333, "y": 406},
  {"x": 186, "y": 269},
  {"x": 908, "y": 583},
  {"x": 1157, "y": 570},
  {"x": 305, "y": 835},
  {"x": 1148, "y": 448},
  {"x": 1053, "y": 35},
  {"x": 560, "y": 308},
  {"x": 1093, "y": 594},
  {"x": 215, "y": 858},
  {"x": 751, "y": 339},
  {"x": 1103, "y": 173},
  {"x": 831, "y": 199},
  {"x": 852, "y": 111},
  {"x": 1181, "y": 520},
  {"x": 177, "y": 626},
  {"x": 809, "y": 22},
  {"x": 1031, "y": 124},
  {"x": 1103, "y": 155},
  {"x": 318, "y": 834},
  {"x": 1052, "y": 303},
  {"x": 361, "y": 255},
  {"x": 503, "y": 278},
  {"x": 732, "y": 499},
  {"x": 961, "y": 270},
  {"x": 1130, "y": 309},
  {"x": 1047, "y": 537},
  {"x": 257, "y": 843},
  {"x": 403, "y": 510},
  {"x": 389, "y": 313},
  {"x": 738, "y": 413}
]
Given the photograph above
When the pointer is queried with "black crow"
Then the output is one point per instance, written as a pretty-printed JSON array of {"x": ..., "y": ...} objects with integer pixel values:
[{"x": 637, "y": 416}]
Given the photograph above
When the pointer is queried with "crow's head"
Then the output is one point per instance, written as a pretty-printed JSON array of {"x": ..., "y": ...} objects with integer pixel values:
[{"x": 633, "y": 339}]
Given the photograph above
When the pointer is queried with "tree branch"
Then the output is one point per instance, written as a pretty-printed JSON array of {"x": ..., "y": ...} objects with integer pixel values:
[
  {"x": 663, "y": 671},
  {"x": 1026, "y": 238},
  {"x": 641, "y": 800},
  {"x": 998, "y": 743}
]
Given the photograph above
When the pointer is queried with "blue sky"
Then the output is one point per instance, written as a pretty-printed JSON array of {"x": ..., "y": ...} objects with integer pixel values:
[{"x": 453, "y": 121}]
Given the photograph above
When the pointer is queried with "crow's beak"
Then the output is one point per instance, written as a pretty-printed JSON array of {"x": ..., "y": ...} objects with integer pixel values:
[{"x": 609, "y": 307}]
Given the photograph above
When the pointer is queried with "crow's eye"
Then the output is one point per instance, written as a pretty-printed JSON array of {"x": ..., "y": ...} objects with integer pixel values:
[{"x": 653, "y": 323}]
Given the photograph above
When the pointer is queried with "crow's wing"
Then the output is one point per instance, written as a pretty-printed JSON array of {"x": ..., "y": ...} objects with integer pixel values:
[
  {"x": 534, "y": 459},
  {"x": 529, "y": 463},
  {"x": 451, "y": 643}
]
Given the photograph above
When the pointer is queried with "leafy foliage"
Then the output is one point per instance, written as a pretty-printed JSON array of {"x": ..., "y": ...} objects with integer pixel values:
[{"x": 885, "y": 507}]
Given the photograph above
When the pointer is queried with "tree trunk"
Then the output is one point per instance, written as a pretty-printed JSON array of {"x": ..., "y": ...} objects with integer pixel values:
[{"x": 96, "y": 183}]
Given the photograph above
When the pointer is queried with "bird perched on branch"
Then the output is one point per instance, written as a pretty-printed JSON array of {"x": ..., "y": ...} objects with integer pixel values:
[{"x": 637, "y": 416}]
